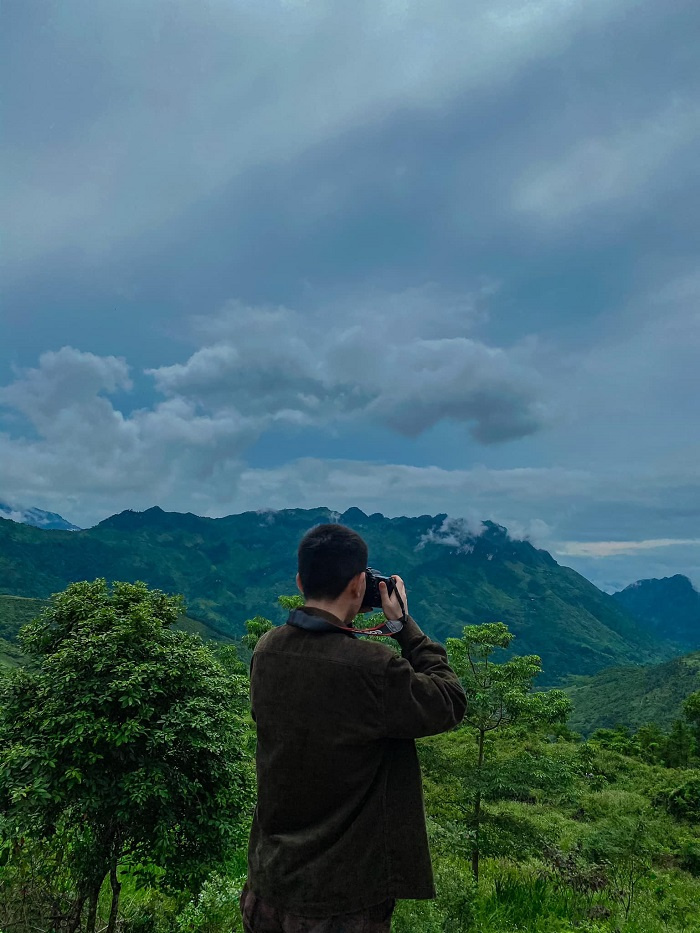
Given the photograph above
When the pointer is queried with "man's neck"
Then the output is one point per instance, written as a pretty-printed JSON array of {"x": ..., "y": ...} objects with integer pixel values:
[{"x": 341, "y": 611}]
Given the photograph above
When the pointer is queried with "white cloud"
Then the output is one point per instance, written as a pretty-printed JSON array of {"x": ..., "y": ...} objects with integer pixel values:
[
  {"x": 376, "y": 363},
  {"x": 600, "y": 170},
  {"x": 90, "y": 456},
  {"x": 603, "y": 549}
]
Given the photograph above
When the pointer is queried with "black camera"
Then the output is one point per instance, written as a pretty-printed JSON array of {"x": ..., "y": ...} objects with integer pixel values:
[{"x": 373, "y": 598}]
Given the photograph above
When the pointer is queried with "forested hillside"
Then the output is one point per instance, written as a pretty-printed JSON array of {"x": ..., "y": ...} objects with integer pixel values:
[
  {"x": 233, "y": 568},
  {"x": 633, "y": 696}
]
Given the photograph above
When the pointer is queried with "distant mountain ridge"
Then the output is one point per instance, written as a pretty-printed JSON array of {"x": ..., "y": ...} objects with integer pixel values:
[
  {"x": 668, "y": 604},
  {"x": 230, "y": 569},
  {"x": 36, "y": 517}
]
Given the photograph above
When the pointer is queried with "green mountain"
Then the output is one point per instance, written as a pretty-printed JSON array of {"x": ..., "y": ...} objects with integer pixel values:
[
  {"x": 633, "y": 696},
  {"x": 669, "y": 608},
  {"x": 230, "y": 569}
]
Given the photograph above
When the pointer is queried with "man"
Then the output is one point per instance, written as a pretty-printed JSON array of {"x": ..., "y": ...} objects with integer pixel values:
[{"x": 339, "y": 829}]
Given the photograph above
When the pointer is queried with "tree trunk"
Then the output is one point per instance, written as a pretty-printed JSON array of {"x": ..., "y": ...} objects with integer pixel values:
[
  {"x": 74, "y": 920},
  {"x": 92, "y": 909},
  {"x": 116, "y": 891},
  {"x": 477, "y": 809}
]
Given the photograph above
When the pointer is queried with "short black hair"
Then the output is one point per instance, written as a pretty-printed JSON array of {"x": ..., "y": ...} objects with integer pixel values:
[{"x": 329, "y": 557}]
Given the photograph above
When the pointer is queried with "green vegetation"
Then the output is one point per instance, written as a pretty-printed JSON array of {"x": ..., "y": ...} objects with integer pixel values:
[
  {"x": 231, "y": 569},
  {"x": 499, "y": 696},
  {"x": 16, "y": 611},
  {"x": 633, "y": 696},
  {"x": 126, "y": 789},
  {"x": 123, "y": 751}
]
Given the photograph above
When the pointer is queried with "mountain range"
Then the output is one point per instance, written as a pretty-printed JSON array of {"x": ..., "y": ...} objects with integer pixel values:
[
  {"x": 35, "y": 517},
  {"x": 230, "y": 569}
]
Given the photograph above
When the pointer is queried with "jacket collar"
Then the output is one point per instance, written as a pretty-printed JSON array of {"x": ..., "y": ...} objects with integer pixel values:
[{"x": 317, "y": 620}]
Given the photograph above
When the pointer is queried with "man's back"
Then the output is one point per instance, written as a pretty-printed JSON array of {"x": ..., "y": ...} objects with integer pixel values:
[{"x": 340, "y": 824}]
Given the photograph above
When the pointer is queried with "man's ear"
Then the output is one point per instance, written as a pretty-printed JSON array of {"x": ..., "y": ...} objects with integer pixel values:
[
  {"x": 299, "y": 587},
  {"x": 356, "y": 584}
]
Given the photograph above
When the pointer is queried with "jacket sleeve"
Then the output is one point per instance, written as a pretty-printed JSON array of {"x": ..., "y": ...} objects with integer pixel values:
[{"x": 422, "y": 694}]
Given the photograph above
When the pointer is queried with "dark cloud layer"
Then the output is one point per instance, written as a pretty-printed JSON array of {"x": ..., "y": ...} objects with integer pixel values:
[{"x": 441, "y": 257}]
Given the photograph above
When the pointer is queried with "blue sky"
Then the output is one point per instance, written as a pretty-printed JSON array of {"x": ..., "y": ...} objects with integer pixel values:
[{"x": 412, "y": 257}]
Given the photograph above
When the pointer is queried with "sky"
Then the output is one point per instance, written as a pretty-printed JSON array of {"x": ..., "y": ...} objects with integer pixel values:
[{"x": 412, "y": 257}]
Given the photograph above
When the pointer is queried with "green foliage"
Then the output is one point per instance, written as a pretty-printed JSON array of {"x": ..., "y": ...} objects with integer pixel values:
[
  {"x": 500, "y": 696},
  {"x": 255, "y": 629},
  {"x": 215, "y": 909},
  {"x": 124, "y": 746},
  {"x": 683, "y": 800},
  {"x": 680, "y": 745},
  {"x": 625, "y": 845},
  {"x": 634, "y": 696},
  {"x": 691, "y": 711},
  {"x": 291, "y": 602}
]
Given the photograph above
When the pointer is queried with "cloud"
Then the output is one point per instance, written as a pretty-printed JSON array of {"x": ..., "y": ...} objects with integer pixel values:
[
  {"x": 280, "y": 366},
  {"x": 184, "y": 98},
  {"x": 90, "y": 456},
  {"x": 602, "y": 549},
  {"x": 66, "y": 380},
  {"x": 598, "y": 171},
  {"x": 458, "y": 533}
]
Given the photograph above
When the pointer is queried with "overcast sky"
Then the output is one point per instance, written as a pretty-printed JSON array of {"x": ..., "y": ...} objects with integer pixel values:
[{"x": 415, "y": 257}]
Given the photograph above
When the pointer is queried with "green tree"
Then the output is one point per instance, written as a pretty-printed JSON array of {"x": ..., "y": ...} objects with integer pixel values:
[
  {"x": 691, "y": 711},
  {"x": 618, "y": 739},
  {"x": 255, "y": 629},
  {"x": 498, "y": 696},
  {"x": 652, "y": 742},
  {"x": 679, "y": 746},
  {"x": 123, "y": 746}
]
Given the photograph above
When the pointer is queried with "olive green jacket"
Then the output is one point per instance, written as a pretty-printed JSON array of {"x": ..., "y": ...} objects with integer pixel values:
[{"x": 340, "y": 824}]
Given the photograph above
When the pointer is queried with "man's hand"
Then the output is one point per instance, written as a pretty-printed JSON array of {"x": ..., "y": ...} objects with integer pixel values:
[{"x": 390, "y": 604}]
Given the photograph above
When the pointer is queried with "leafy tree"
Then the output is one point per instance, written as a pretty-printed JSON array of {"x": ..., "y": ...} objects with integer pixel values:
[
  {"x": 123, "y": 746},
  {"x": 255, "y": 629},
  {"x": 679, "y": 746},
  {"x": 652, "y": 742},
  {"x": 291, "y": 602},
  {"x": 498, "y": 696},
  {"x": 691, "y": 711},
  {"x": 618, "y": 739},
  {"x": 683, "y": 801}
]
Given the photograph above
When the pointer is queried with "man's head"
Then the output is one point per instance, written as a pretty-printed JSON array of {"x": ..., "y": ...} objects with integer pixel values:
[{"x": 332, "y": 561}]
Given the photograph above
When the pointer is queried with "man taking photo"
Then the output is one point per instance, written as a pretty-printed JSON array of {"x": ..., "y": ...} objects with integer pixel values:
[{"x": 339, "y": 829}]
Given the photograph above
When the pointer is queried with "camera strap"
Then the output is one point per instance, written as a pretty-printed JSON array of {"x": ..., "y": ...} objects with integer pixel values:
[{"x": 313, "y": 623}]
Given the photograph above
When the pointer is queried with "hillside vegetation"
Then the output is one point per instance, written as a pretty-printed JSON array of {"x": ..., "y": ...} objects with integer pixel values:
[
  {"x": 633, "y": 696},
  {"x": 127, "y": 789},
  {"x": 231, "y": 569}
]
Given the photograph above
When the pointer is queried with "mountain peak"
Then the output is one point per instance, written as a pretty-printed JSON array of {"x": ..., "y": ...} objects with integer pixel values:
[{"x": 669, "y": 606}]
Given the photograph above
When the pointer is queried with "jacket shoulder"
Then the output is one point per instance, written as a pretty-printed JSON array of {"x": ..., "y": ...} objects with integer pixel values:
[{"x": 334, "y": 647}]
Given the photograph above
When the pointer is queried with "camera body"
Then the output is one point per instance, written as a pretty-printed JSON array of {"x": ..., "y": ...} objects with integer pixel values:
[{"x": 373, "y": 598}]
